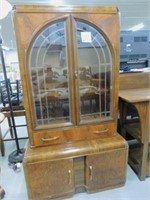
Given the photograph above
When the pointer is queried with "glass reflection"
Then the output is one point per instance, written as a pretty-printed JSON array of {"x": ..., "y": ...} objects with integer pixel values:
[
  {"x": 49, "y": 76},
  {"x": 94, "y": 67}
]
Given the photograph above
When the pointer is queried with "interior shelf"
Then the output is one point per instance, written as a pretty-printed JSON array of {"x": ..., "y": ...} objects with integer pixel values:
[
  {"x": 135, "y": 156},
  {"x": 133, "y": 129}
]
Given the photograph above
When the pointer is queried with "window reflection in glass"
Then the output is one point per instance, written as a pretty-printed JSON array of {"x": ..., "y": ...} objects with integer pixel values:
[
  {"x": 95, "y": 71},
  {"x": 49, "y": 76}
]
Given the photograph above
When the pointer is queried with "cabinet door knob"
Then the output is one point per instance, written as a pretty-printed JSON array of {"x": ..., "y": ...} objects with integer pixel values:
[
  {"x": 69, "y": 176},
  {"x": 90, "y": 172},
  {"x": 50, "y": 139}
]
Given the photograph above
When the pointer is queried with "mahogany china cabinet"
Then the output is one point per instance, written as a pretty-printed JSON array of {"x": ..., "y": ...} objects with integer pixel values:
[{"x": 69, "y": 58}]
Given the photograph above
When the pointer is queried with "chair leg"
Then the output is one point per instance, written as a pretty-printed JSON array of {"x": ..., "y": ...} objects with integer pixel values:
[{"x": 2, "y": 146}]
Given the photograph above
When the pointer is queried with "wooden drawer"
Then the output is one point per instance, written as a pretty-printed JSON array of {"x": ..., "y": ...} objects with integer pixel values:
[{"x": 73, "y": 134}]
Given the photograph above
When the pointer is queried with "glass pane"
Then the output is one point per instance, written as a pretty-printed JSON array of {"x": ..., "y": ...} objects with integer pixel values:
[
  {"x": 95, "y": 71},
  {"x": 49, "y": 76}
]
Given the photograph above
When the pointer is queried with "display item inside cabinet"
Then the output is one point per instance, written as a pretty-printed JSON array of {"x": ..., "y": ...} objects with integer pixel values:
[{"x": 69, "y": 68}]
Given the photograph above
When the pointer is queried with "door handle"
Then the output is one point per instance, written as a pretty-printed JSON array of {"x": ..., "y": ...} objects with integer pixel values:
[
  {"x": 91, "y": 172},
  {"x": 101, "y": 131},
  {"x": 50, "y": 139},
  {"x": 69, "y": 176}
]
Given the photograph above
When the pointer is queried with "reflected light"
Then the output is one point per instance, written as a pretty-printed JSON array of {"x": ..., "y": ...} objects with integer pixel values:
[
  {"x": 5, "y": 48},
  {"x": 56, "y": 2},
  {"x": 5, "y": 8},
  {"x": 137, "y": 27}
]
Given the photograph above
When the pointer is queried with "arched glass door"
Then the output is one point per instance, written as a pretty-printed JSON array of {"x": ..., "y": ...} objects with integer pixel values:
[
  {"x": 49, "y": 76},
  {"x": 53, "y": 77},
  {"x": 95, "y": 73}
]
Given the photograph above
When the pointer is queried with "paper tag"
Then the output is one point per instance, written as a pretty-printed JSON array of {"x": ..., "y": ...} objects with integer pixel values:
[{"x": 86, "y": 37}]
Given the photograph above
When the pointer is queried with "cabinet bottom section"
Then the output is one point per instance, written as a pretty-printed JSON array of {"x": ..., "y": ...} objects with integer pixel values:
[{"x": 100, "y": 166}]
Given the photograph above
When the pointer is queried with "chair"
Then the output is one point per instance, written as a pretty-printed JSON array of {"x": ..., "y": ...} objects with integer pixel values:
[
  {"x": 18, "y": 111},
  {"x": 15, "y": 92}
]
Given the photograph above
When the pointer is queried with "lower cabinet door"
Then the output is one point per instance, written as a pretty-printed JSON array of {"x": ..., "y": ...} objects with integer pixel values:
[
  {"x": 49, "y": 179},
  {"x": 106, "y": 170}
]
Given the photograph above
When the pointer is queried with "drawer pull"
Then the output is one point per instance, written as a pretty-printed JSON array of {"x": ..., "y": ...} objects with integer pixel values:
[
  {"x": 90, "y": 172},
  {"x": 69, "y": 177},
  {"x": 101, "y": 131},
  {"x": 50, "y": 139}
]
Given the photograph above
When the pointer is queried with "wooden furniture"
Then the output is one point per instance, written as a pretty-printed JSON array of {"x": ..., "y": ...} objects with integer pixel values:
[
  {"x": 15, "y": 92},
  {"x": 134, "y": 80},
  {"x": 69, "y": 69},
  {"x": 61, "y": 170},
  {"x": 18, "y": 111},
  {"x": 138, "y": 128},
  {"x": 57, "y": 89}
]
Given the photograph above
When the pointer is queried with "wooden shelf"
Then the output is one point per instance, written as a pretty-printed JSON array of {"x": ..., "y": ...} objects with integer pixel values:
[
  {"x": 133, "y": 129},
  {"x": 135, "y": 156}
]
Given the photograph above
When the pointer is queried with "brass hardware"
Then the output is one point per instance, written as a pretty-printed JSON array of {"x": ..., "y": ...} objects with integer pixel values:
[
  {"x": 101, "y": 131},
  {"x": 90, "y": 172},
  {"x": 76, "y": 74},
  {"x": 50, "y": 139},
  {"x": 69, "y": 176}
]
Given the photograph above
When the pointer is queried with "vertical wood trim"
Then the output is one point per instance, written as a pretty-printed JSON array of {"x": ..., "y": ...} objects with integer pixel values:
[
  {"x": 76, "y": 70},
  {"x": 70, "y": 57}
]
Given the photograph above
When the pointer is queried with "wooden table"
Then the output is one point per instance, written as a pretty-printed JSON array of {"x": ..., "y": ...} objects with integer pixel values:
[
  {"x": 140, "y": 100},
  {"x": 18, "y": 111}
]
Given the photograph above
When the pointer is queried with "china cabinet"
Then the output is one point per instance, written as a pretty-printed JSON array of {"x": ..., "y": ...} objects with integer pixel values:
[{"x": 69, "y": 58}]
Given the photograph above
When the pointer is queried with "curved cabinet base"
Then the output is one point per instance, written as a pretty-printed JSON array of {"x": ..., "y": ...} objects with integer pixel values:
[{"x": 62, "y": 170}]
